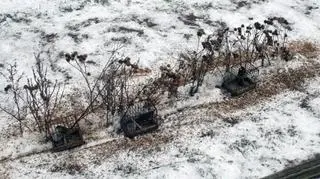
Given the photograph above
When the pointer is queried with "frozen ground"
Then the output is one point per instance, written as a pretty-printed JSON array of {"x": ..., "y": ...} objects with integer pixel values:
[
  {"x": 154, "y": 31},
  {"x": 196, "y": 143}
]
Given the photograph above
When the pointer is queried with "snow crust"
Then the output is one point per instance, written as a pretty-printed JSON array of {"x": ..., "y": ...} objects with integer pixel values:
[{"x": 266, "y": 137}]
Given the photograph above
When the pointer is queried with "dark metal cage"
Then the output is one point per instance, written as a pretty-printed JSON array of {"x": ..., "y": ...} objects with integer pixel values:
[
  {"x": 65, "y": 136},
  {"x": 240, "y": 79},
  {"x": 139, "y": 118}
]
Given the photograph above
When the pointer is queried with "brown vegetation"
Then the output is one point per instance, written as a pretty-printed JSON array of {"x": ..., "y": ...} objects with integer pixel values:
[
  {"x": 305, "y": 48},
  {"x": 275, "y": 83}
]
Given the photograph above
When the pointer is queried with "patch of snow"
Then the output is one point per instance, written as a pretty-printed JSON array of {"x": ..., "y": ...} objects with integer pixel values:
[{"x": 266, "y": 138}]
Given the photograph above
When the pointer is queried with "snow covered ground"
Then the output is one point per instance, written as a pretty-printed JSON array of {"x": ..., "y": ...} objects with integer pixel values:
[
  {"x": 248, "y": 143},
  {"x": 155, "y": 31},
  {"x": 196, "y": 143}
]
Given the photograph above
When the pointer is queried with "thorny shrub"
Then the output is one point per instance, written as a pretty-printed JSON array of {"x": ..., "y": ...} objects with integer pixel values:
[
  {"x": 248, "y": 44},
  {"x": 19, "y": 110},
  {"x": 43, "y": 96},
  {"x": 252, "y": 45},
  {"x": 113, "y": 89}
]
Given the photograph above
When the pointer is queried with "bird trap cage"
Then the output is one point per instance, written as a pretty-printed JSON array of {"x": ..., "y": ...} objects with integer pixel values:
[
  {"x": 240, "y": 79},
  {"x": 139, "y": 118},
  {"x": 65, "y": 135}
]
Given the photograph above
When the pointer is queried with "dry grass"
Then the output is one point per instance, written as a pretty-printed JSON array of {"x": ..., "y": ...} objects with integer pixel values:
[
  {"x": 147, "y": 142},
  {"x": 305, "y": 48}
]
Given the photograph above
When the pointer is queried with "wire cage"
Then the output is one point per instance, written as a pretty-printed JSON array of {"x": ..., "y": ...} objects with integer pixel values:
[
  {"x": 139, "y": 118},
  {"x": 240, "y": 79},
  {"x": 64, "y": 135}
]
